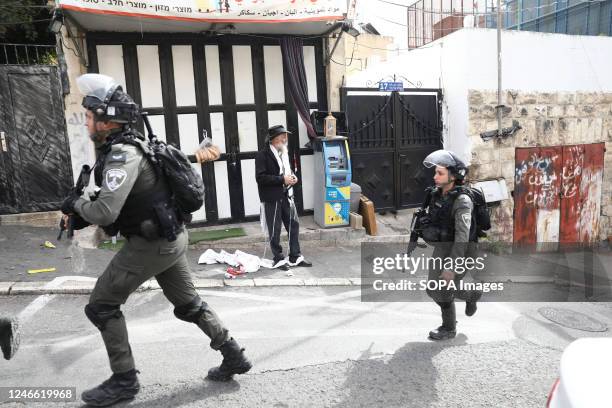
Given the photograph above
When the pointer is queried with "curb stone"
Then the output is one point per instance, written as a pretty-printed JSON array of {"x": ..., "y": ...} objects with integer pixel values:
[
  {"x": 75, "y": 287},
  {"x": 5, "y": 287},
  {"x": 86, "y": 287},
  {"x": 279, "y": 282}
]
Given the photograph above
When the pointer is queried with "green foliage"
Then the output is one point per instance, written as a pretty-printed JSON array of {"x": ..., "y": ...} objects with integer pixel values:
[
  {"x": 48, "y": 59},
  {"x": 20, "y": 22}
]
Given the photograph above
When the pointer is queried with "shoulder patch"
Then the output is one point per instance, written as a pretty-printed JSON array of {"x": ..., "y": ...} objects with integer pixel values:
[
  {"x": 467, "y": 219},
  {"x": 115, "y": 178},
  {"x": 117, "y": 157}
]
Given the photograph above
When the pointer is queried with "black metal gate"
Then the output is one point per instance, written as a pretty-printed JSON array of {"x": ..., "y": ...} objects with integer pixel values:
[
  {"x": 35, "y": 171},
  {"x": 389, "y": 135}
]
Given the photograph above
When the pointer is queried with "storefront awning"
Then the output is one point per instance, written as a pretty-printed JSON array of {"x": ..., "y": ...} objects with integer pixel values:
[{"x": 239, "y": 16}]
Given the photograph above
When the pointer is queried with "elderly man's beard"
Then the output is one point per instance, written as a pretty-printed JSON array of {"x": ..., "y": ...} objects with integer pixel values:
[{"x": 282, "y": 148}]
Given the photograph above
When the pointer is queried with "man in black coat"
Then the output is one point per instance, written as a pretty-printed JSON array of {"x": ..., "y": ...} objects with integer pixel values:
[{"x": 275, "y": 182}]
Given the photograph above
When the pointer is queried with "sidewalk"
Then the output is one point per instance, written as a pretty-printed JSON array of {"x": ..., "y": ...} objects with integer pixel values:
[{"x": 335, "y": 254}]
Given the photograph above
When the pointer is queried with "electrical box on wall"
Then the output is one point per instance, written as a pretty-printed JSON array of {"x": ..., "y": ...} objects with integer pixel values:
[{"x": 493, "y": 190}]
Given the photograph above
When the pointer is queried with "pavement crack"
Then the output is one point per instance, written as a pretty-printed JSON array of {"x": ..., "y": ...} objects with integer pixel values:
[{"x": 348, "y": 360}]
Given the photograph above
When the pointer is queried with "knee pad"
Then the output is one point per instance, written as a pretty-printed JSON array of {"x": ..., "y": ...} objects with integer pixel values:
[
  {"x": 192, "y": 311},
  {"x": 100, "y": 314}
]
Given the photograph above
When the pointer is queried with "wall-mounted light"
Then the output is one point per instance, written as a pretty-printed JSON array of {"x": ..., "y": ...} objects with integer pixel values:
[
  {"x": 57, "y": 21},
  {"x": 350, "y": 30}
]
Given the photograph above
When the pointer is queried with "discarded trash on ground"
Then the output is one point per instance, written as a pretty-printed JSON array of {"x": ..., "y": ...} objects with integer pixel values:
[
  {"x": 289, "y": 273},
  {"x": 33, "y": 271},
  {"x": 49, "y": 245},
  {"x": 233, "y": 273},
  {"x": 247, "y": 262}
]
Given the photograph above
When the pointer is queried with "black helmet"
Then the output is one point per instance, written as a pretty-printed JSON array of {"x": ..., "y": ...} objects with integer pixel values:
[
  {"x": 447, "y": 159},
  {"x": 106, "y": 99}
]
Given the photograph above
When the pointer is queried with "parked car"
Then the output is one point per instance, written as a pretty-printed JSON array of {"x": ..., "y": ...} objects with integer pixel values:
[{"x": 585, "y": 379}]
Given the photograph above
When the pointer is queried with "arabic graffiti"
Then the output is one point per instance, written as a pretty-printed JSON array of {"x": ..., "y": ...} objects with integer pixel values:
[
  {"x": 540, "y": 179},
  {"x": 572, "y": 170},
  {"x": 81, "y": 149},
  {"x": 558, "y": 193}
]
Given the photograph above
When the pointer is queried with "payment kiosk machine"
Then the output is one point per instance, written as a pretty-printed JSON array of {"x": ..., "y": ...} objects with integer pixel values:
[{"x": 332, "y": 188}]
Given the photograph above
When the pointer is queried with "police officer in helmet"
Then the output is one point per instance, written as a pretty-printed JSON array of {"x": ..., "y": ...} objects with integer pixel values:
[
  {"x": 135, "y": 200},
  {"x": 450, "y": 230}
]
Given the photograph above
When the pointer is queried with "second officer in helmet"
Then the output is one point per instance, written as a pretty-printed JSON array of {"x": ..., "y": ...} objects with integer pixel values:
[{"x": 450, "y": 228}]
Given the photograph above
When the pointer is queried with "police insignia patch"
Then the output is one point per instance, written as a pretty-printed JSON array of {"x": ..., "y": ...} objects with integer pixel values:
[
  {"x": 118, "y": 157},
  {"x": 467, "y": 218},
  {"x": 115, "y": 178}
]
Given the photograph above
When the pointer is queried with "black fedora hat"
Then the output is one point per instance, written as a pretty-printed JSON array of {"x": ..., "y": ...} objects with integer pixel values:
[{"x": 276, "y": 131}]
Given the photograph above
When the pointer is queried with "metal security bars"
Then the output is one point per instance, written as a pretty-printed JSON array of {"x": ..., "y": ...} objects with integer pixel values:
[{"x": 429, "y": 20}]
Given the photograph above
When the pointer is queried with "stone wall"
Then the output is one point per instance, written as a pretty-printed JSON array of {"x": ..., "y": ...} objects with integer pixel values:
[{"x": 547, "y": 119}]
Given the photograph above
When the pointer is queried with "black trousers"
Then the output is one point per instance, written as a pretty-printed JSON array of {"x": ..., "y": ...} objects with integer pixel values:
[
  {"x": 282, "y": 212},
  {"x": 445, "y": 298}
]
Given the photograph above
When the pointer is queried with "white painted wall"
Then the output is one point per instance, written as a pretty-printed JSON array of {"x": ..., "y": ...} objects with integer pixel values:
[
  {"x": 81, "y": 148},
  {"x": 467, "y": 59}
]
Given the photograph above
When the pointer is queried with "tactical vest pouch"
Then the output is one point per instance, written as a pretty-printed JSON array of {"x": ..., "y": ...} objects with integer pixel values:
[
  {"x": 428, "y": 230},
  {"x": 431, "y": 234},
  {"x": 168, "y": 222}
]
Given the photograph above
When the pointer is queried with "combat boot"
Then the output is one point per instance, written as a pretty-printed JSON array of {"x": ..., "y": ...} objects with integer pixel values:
[
  {"x": 9, "y": 337},
  {"x": 234, "y": 362},
  {"x": 471, "y": 307},
  {"x": 117, "y": 388},
  {"x": 442, "y": 333}
]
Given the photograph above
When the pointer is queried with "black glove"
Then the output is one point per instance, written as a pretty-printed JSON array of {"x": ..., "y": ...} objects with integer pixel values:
[
  {"x": 68, "y": 204},
  {"x": 78, "y": 223}
]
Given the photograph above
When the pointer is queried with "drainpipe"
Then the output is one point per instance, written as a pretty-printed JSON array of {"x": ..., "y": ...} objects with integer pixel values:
[{"x": 499, "y": 70}]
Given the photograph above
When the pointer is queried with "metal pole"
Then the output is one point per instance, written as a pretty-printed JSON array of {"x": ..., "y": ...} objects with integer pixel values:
[
  {"x": 499, "y": 70},
  {"x": 408, "y": 27}
]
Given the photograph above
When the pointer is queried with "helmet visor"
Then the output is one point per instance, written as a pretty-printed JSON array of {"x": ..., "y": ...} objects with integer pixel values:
[
  {"x": 96, "y": 86},
  {"x": 441, "y": 158}
]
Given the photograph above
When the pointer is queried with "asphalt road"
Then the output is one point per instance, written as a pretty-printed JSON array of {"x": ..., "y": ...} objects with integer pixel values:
[{"x": 311, "y": 347}]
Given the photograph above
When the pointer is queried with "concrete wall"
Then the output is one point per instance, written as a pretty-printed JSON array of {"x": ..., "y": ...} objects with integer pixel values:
[
  {"x": 467, "y": 60},
  {"x": 559, "y": 90},
  {"x": 352, "y": 56},
  {"x": 81, "y": 148},
  {"x": 557, "y": 86}
]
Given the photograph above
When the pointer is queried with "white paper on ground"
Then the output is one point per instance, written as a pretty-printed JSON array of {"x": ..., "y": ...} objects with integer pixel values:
[
  {"x": 228, "y": 258},
  {"x": 266, "y": 263},
  {"x": 209, "y": 257},
  {"x": 249, "y": 262}
]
